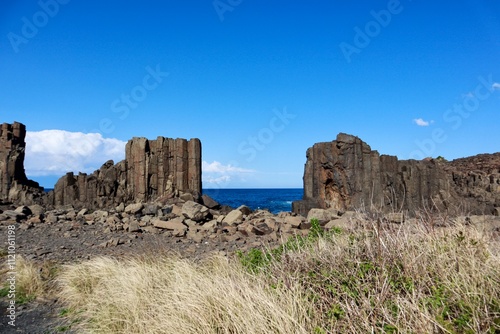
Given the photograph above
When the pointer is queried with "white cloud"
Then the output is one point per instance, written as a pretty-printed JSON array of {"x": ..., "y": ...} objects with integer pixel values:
[
  {"x": 496, "y": 86},
  {"x": 217, "y": 180},
  {"x": 56, "y": 152},
  {"x": 217, "y": 173},
  {"x": 217, "y": 167},
  {"x": 421, "y": 122}
]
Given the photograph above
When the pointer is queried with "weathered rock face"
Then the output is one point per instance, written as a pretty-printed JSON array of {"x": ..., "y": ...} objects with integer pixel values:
[
  {"x": 346, "y": 174},
  {"x": 14, "y": 185},
  {"x": 152, "y": 168}
]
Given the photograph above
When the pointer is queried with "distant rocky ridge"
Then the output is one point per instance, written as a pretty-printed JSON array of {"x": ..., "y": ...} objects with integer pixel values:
[
  {"x": 162, "y": 168},
  {"x": 347, "y": 174}
]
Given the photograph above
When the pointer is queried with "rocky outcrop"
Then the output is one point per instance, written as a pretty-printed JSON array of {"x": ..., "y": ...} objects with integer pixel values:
[
  {"x": 152, "y": 169},
  {"x": 346, "y": 174},
  {"x": 14, "y": 185}
]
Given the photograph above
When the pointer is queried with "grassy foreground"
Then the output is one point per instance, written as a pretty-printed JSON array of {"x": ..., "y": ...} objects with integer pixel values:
[{"x": 407, "y": 280}]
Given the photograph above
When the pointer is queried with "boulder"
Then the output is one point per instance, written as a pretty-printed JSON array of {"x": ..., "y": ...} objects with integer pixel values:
[
  {"x": 174, "y": 224},
  {"x": 261, "y": 229},
  {"x": 151, "y": 209},
  {"x": 194, "y": 211},
  {"x": 343, "y": 223},
  {"x": 233, "y": 217},
  {"x": 245, "y": 209},
  {"x": 210, "y": 225},
  {"x": 209, "y": 202},
  {"x": 120, "y": 208},
  {"x": 14, "y": 215},
  {"x": 322, "y": 215},
  {"x": 24, "y": 210},
  {"x": 133, "y": 226},
  {"x": 176, "y": 210},
  {"x": 294, "y": 221},
  {"x": 37, "y": 209},
  {"x": 134, "y": 208},
  {"x": 82, "y": 212}
]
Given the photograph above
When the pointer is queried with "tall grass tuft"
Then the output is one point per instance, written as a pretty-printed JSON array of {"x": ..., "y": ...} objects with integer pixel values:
[
  {"x": 168, "y": 295},
  {"x": 29, "y": 282}
]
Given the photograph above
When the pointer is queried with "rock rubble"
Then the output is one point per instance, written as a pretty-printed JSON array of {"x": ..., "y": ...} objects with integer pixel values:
[
  {"x": 175, "y": 221},
  {"x": 183, "y": 227}
]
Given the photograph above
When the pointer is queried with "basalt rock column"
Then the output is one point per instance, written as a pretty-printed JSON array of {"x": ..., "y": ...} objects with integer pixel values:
[
  {"x": 14, "y": 185},
  {"x": 163, "y": 167},
  {"x": 346, "y": 174}
]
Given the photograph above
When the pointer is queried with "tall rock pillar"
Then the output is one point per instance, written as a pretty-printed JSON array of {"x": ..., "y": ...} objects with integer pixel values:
[
  {"x": 346, "y": 174},
  {"x": 14, "y": 185}
]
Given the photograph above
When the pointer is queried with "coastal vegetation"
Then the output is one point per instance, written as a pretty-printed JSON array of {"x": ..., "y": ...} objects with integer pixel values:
[{"x": 385, "y": 278}]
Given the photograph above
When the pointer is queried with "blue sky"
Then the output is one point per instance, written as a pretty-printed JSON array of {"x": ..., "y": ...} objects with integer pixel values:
[{"x": 257, "y": 81}]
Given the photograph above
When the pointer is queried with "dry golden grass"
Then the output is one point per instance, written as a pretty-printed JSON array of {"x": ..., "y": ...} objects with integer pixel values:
[
  {"x": 404, "y": 280},
  {"x": 165, "y": 295},
  {"x": 407, "y": 280},
  {"x": 29, "y": 281}
]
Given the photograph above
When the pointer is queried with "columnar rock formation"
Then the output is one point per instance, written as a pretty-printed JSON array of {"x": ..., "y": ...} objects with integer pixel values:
[
  {"x": 152, "y": 168},
  {"x": 346, "y": 174},
  {"x": 14, "y": 185}
]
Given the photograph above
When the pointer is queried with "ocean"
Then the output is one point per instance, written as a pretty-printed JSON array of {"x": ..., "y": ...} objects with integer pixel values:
[{"x": 275, "y": 200}]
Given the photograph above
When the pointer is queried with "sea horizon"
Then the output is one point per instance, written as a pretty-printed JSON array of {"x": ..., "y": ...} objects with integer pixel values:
[{"x": 273, "y": 199}]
